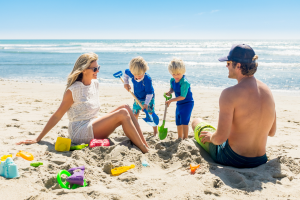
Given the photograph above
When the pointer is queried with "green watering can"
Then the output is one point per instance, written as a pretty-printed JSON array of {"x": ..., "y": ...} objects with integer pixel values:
[{"x": 162, "y": 131}]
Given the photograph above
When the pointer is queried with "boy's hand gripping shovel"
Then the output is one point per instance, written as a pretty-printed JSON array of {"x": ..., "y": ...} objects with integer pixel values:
[
  {"x": 151, "y": 120},
  {"x": 161, "y": 129}
]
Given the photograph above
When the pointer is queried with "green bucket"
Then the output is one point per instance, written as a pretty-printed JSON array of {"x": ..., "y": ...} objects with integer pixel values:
[{"x": 203, "y": 126}]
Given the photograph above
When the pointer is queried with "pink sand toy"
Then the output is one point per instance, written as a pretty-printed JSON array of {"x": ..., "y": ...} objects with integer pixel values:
[
  {"x": 76, "y": 177},
  {"x": 99, "y": 142}
]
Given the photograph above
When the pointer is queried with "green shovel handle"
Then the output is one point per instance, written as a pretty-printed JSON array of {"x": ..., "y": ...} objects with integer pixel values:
[{"x": 167, "y": 97}]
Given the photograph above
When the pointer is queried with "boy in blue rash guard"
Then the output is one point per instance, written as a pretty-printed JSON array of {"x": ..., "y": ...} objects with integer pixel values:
[
  {"x": 184, "y": 97},
  {"x": 142, "y": 84}
]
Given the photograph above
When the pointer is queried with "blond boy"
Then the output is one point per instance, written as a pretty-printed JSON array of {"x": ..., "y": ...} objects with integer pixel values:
[
  {"x": 142, "y": 84},
  {"x": 184, "y": 97}
]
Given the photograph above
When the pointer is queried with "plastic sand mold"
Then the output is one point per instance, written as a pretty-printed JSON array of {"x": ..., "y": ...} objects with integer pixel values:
[
  {"x": 25, "y": 155},
  {"x": 66, "y": 185},
  {"x": 119, "y": 170},
  {"x": 193, "y": 168},
  {"x": 63, "y": 144}
]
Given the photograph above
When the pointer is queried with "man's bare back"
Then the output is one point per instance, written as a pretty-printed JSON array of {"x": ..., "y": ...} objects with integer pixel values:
[
  {"x": 246, "y": 118},
  {"x": 253, "y": 117}
]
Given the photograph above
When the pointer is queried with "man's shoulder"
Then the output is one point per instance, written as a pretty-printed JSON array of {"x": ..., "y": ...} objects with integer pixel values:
[{"x": 231, "y": 91}]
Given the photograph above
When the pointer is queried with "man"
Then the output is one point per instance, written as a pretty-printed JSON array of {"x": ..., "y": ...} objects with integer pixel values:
[{"x": 247, "y": 115}]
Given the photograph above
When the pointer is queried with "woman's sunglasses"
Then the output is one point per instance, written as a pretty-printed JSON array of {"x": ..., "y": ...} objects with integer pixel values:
[{"x": 95, "y": 68}]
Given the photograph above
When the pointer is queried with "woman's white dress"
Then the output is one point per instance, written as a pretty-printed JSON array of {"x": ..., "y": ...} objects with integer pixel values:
[{"x": 83, "y": 111}]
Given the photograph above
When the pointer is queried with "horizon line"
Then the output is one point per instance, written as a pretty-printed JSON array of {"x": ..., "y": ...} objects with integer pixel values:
[{"x": 143, "y": 39}]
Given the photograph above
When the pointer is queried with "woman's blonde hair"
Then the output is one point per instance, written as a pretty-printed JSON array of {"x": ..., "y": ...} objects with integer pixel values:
[
  {"x": 176, "y": 66},
  {"x": 138, "y": 66},
  {"x": 82, "y": 63}
]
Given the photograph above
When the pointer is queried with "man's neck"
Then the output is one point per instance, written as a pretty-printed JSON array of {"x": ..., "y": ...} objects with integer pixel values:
[{"x": 242, "y": 78}]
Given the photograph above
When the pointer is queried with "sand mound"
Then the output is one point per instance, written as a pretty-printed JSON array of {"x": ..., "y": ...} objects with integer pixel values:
[{"x": 167, "y": 159}]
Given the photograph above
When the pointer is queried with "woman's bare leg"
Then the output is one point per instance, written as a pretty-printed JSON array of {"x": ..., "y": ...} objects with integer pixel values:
[
  {"x": 135, "y": 122},
  {"x": 105, "y": 125}
]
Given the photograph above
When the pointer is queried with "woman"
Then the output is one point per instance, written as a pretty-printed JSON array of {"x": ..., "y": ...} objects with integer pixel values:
[{"x": 81, "y": 102}]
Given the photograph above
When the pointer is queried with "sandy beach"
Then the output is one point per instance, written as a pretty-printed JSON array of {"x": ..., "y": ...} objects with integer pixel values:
[{"x": 26, "y": 107}]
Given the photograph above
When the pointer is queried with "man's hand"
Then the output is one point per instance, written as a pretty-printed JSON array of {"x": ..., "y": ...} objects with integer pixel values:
[
  {"x": 206, "y": 136},
  {"x": 145, "y": 107},
  {"x": 27, "y": 142},
  {"x": 127, "y": 87},
  {"x": 168, "y": 103}
]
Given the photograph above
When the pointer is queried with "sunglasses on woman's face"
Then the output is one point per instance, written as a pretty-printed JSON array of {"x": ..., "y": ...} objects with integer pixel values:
[{"x": 95, "y": 68}]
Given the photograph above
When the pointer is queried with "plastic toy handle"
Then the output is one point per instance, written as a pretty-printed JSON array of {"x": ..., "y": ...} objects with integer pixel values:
[
  {"x": 36, "y": 164},
  {"x": 167, "y": 97},
  {"x": 60, "y": 181},
  {"x": 78, "y": 147}
]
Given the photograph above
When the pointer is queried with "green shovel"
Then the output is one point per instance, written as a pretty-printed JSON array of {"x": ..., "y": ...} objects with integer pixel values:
[{"x": 162, "y": 131}]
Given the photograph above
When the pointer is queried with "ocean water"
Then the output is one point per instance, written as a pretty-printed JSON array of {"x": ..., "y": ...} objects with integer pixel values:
[{"x": 53, "y": 60}]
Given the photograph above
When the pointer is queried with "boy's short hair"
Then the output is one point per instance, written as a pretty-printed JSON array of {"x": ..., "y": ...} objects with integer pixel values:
[
  {"x": 138, "y": 66},
  {"x": 176, "y": 66}
]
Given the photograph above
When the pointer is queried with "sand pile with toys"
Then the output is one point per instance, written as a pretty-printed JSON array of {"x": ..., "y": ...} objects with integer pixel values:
[{"x": 26, "y": 107}]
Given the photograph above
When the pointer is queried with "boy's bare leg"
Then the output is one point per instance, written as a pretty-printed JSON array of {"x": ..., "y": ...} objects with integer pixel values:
[
  {"x": 185, "y": 131},
  {"x": 155, "y": 130},
  {"x": 180, "y": 131},
  {"x": 137, "y": 115}
]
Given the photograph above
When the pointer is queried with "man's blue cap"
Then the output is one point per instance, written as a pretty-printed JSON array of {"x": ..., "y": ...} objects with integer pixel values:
[{"x": 241, "y": 53}]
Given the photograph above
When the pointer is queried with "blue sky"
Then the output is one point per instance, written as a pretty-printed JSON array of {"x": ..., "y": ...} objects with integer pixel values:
[{"x": 185, "y": 19}]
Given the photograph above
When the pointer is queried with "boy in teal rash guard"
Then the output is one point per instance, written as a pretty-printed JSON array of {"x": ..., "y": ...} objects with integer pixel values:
[
  {"x": 184, "y": 97},
  {"x": 142, "y": 84}
]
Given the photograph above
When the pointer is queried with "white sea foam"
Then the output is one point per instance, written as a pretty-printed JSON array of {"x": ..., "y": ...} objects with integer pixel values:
[{"x": 279, "y": 61}]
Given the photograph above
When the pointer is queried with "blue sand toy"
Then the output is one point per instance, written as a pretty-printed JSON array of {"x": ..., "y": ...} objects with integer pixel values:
[
  {"x": 9, "y": 169},
  {"x": 145, "y": 163}
]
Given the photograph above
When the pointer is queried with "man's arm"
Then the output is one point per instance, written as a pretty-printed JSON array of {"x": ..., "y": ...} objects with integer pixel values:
[
  {"x": 226, "y": 104},
  {"x": 273, "y": 129}
]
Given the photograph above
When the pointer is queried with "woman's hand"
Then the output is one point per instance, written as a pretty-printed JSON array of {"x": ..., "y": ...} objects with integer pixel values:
[
  {"x": 127, "y": 87},
  {"x": 27, "y": 142}
]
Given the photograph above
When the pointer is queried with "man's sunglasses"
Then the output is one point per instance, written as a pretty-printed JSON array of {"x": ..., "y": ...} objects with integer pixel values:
[
  {"x": 95, "y": 68},
  {"x": 228, "y": 63}
]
